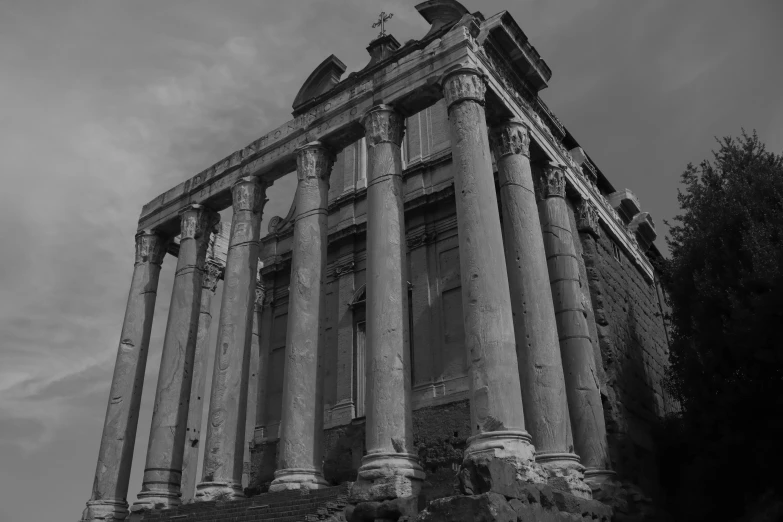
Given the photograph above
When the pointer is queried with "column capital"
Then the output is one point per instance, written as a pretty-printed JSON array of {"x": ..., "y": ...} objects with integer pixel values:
[
  {"x": 587, "y": 218},
  {"x": 197, "y": 220},
  {"x": 510, "y": 137},
  {"x": 382, "y": 124},
  {"x": 150, "y": 247},
  {"x": 551, "y": 182},
  {"x": 248, "y": 193},
  {"x": 212, "y": 273},
  {"x": 313, "y": 160},
  {"x": 464, "y": 84}
]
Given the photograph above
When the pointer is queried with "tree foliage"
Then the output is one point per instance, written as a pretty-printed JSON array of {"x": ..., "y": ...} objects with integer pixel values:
[{"x": 724, "y": 285}]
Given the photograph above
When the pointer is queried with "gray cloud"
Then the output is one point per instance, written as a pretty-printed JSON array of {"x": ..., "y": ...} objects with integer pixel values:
[{"x": 105, "y": 104}]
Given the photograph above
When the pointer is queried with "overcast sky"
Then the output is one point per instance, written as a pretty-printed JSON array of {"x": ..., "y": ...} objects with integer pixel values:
[{"x": 105, "y": 104}]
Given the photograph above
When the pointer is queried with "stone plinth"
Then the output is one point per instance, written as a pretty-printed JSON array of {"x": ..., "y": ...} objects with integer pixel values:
[
  {"x": 162, "y": 473},
  {"x": 390, "y": 469},
  {"x": 225, "y": 441},
  {"x": 110, "y": 487},
  {"x": 299, "y": 449},
  {"x": 497, "y": 417}
]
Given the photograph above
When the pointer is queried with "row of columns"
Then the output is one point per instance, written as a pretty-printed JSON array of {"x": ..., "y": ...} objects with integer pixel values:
[{"x": 531, "y": 362}]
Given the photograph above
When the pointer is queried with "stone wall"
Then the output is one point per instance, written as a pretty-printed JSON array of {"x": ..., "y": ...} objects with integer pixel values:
[{"x": 634, "y": 352}]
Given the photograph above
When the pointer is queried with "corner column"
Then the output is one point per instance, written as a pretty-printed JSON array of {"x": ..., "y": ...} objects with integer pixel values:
[
  {"x": 390, "y": 469},
  {"x": 537, "y": 346},
  {"x": 301, "y": 426},
  {"x": 212, "y": 273},
  {"x": 160, "y": 487},
  {"x": 110, "y": 487},
  {"x": 225, "y": 442},
  {"x": 497, "y": 417},
  {"x": 590, "y": 427},
  {"x": 581, "y": 382}
]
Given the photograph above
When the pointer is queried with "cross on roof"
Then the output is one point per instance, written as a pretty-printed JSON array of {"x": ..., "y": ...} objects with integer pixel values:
[{"x": 382, "y": 21}]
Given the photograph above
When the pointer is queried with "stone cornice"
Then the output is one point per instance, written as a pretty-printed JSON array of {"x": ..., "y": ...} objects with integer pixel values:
[{"x": 521, "y": 108}]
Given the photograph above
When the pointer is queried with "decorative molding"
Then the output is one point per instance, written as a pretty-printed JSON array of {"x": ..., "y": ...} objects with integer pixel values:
[
  {"x": 511, "y": 137},
  {"x": 587, "y": 218},
  {"x": 551, "y": 182},
  {"x": 151, "y": 248},
  {"x": 213, "y": 272},
  {"x": 343, "y": 268},
  {"x": 260, "y": 296},
  {"x": 248, "y": 194},
  {"x": 421, "y": 239},
  {"x": 382, "y": 124},
  {"x": 464, "y": 84},
  {"x": 313, "y": 161},
  {"x": 196, "y": 221}
]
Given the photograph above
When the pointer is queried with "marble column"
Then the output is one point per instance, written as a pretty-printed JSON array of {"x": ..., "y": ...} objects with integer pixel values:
[
  {"x": 390, "y": 468},
  {"x": 581, "y": 383},
  {"x": 225, "y": 442},
  {"x": 301, "y": 425},
  {"x": 535, "y": 327},
  {"x": 160, "y": 487},
  {"x": 212, "y": 275},
  {"x": 110, "y": 487},
  {"x": 497, "y": 417},
  {"x": 590, "y": 427}
]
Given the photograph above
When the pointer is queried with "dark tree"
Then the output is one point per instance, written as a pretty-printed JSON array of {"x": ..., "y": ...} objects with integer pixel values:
[{"x": 724, "y": 283}]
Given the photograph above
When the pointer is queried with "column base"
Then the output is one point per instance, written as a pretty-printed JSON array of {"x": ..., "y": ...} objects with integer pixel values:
[
  {"x": 106, "y": 510},
  {"x": 298, "y": 478},
  {"x": 206, "y": 491},
  {"x": 385, "y": 476},
  {"x": 512, "y": 446},
  {"x": 156, "y": 500},
  {"x": 595, "y": 477},
  {"x": 565, "y": 472}
]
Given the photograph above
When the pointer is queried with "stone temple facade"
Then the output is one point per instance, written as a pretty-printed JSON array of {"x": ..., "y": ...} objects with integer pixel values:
[{"x": 458, "y": 307}]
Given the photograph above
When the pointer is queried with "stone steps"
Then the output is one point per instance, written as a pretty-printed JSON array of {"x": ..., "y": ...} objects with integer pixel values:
[{"x": 287, "y": 506}]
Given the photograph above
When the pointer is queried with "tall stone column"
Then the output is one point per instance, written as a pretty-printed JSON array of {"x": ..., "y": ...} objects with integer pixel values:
[
  {"x": 497, "y": 417},
  {"x": 196, "y": 410},
  {"x": 390, "y": 469},
  {"x": 537, "y": 347},
  {"x": 589, "y": 433},
  {"x": 225, "y": 443},
  {"x": 110, "y": 487},
  {"x": 581, "y": 382},
  {"x": 160, "y": 487},
  {"x": 301, "y": 425}
]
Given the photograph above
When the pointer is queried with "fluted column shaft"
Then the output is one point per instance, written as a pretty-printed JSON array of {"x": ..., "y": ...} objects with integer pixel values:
[
  {"x": 497, "y": 417},
  {"x": 196, "y": 409},
  {"x": 390, "y": 468},
  {"x": 225, "y": 442},
  {"x": 110, "y": 487},
  {"x": 301, "y": 425},
  {"x": 163, "y": 470},
  {"x": 587, "y": 413},
  {"x": 538, "y": 350},
  {"x": 581, "y": 385}
]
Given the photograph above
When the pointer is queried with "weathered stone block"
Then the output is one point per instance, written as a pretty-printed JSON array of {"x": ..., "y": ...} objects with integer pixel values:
[
  {"x": 488, "y": 507},
  {"x": 485, "y": 474}
]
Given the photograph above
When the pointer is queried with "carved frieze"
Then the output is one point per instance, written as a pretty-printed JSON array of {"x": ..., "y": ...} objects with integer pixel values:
[
  {"x": 198, "y": 220},
  {"x": 552, "y": 182},
  {"x": 464, "y": 84},
  {"x": 382, "y": 124},
  {"x": 587, "y": 218},
  {"x": 510, "y": 138},
  {"x": 248, "y": 194},
  {"x": 150, "y": 248},
  {"x": 313, "y": 161}
]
